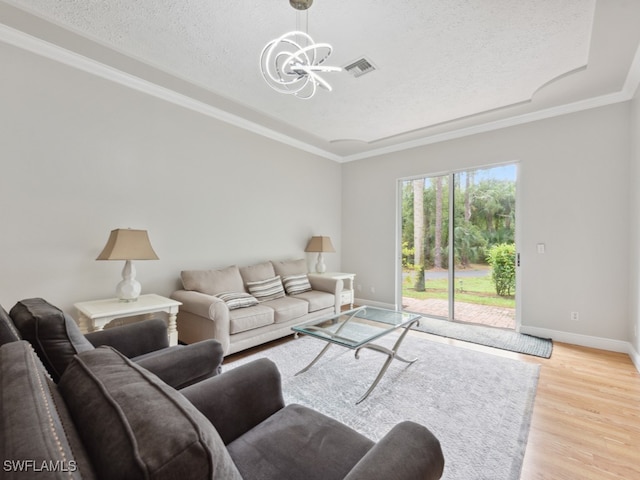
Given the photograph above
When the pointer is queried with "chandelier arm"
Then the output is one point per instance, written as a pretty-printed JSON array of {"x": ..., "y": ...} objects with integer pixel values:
[
  {"x": 269, "y": 47},
  {"x": 282, "y": 85},
  {"x": 317, "y": 79},
  {"x": 313, "y": 48}
]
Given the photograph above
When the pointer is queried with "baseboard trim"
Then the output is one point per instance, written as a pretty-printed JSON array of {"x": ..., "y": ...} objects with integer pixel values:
[
  {"x": 586, "y": 341},
  {"x": 635, "y": 356},
  {"x": 372, "y": 303},
  {"x": 578, "y": 339}
]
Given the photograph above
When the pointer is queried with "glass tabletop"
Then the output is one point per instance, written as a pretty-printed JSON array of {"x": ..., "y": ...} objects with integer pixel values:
[{"x": 357, "y": 327}]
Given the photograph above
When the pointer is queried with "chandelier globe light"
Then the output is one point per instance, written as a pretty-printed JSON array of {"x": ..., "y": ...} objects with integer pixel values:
[{"x": 291, "y": 63}]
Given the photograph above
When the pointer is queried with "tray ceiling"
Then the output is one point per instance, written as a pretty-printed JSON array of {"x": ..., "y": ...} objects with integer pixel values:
[{"x": 441, "y": 68}]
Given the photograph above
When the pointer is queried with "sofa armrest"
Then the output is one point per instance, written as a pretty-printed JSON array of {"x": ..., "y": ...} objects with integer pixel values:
[
  {"x": 184, "y": 365},
  {"x": 239, "y": 399},
  {"x": 198, "y": 303},
  {"x": 208, "y": 307},
  {"x": 408, "y": 451},
  {"x": 329, "y": 285},
  {"x": 326, "y": 284},
  {"x": 134, "y": 339}
]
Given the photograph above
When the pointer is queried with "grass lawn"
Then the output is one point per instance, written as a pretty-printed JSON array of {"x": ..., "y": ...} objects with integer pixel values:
[{"x": 477, "y": 290}]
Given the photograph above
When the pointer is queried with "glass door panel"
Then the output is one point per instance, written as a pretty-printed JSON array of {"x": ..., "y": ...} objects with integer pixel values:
[
  {"x": 455, "y": 280},
  {"x": 484, "y": 228},
  {"x": 425, "y": 246}
]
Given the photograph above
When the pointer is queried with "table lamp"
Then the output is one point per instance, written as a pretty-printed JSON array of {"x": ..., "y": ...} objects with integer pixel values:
[
  {"x": 320, "y": 245},
  {"x": 128, "y": 245}
]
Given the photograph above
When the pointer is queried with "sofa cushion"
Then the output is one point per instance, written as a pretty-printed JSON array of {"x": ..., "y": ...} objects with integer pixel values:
[
  {"x": 294, "y": 284},
  {"x": 213, "y": 282},
  {"x": 298, "y": 443},
  {"x": 257, "y": 272},
  {"x": 287, "y": 308},
  {"x": 290, "y": 267},
  {"x": 265, "y": 290},
  {"x": 34, "y": 420},
  {"x": 135, "y": 426},
  {"x": 238, "y": 299},
  {"x": 8, "y": 332},
  {"x": 317, "y": 300},
  {"x": 54, "y": 335},
  {"x": 244, "y": 319}
]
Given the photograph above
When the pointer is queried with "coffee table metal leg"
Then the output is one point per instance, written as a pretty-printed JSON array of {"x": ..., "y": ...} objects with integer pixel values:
[
  {"x": 333, "y": 335},
  {"x": 313, "y": 362},
  {"x": 391, "y": 354}
]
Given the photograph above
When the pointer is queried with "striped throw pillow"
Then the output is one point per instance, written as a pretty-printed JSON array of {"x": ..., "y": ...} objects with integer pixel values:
[
  {"x": 295, "y": 284},
  {"x": 268, "y": 289},
  {"x": 237, "y": 299}
]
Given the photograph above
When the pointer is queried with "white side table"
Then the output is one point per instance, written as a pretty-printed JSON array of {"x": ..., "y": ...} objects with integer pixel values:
[
  {"x": 94, "y": 315},
  {"x": 348, "y": 293}
]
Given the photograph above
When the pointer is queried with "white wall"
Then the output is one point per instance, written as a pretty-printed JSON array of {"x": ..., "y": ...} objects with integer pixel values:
[
  {"x": 81, "y": 156},
  {"x": 634, "y": 257},
  {"x": 574, "y": 197}
]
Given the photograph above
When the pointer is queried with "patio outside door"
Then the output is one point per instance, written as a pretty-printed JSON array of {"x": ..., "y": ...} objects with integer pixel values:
[{"x": 468, "y": 217}]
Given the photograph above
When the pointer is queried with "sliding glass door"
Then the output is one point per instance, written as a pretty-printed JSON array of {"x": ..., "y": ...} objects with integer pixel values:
[{"x": 458, "y": 246}]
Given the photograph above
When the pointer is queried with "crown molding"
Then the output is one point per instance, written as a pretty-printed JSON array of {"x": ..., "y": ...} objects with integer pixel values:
[
  {"x": 497, "y": 125},
  {"x": 53, "y": 52}
]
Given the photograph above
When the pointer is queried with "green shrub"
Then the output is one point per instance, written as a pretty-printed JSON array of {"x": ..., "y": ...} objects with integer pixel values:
[
  {"x": 407, "y": 255},
  {"x": 502, "y": 259}
]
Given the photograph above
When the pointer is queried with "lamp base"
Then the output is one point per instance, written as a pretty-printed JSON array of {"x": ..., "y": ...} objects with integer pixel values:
[
  {"x": 320, "y": 266},
  {"x": 128, "y": 290}
]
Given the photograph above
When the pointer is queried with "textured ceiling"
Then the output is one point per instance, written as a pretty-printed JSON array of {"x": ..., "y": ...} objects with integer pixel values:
[{"x": 440, "y": 66}]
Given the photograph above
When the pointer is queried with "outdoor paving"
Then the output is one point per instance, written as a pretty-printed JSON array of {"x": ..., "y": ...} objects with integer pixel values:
[{"x": 466, "y": 312}]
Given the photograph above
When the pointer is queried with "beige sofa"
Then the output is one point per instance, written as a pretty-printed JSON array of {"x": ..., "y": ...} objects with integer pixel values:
[{"x": 242, "y": 307}]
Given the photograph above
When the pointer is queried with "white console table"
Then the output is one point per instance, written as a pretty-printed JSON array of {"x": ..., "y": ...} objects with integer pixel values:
[
  {"x": 95, "y": 314},
  {"x": 348, "y": 293}
]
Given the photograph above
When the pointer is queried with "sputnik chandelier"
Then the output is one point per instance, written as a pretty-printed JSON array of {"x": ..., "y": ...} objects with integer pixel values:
[{"x": 291, "y": 63}]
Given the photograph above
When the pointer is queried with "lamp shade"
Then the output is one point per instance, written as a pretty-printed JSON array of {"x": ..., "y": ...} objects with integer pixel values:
[
  {"x": 320, "y": 244},
  {"x": 128, "y": 244}
]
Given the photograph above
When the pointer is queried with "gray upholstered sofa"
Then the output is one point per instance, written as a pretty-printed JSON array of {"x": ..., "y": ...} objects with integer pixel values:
[
  {"x": 56, "y": 339},
  {"x": 242, "y": 307},
  {"x": 109, "y": 418}
]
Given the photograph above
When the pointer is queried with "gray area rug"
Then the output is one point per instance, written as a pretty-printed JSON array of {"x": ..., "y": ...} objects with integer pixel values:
[
  {"x": 479, "y": 405},
  {"x": 489, "y": 336}
]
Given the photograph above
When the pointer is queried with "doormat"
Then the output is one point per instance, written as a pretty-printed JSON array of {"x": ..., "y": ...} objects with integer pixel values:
[{"x": 488, "y": 336}]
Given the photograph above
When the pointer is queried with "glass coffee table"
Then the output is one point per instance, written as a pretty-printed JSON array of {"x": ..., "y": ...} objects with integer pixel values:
[{"x": 357, "y": 329}]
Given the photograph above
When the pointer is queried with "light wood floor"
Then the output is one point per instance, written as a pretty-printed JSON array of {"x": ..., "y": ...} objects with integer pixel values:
[{"x": 586, "y": 416}]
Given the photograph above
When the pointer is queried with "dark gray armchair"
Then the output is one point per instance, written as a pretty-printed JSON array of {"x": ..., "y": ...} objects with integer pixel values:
[
  {"x": 268, "y": 440},
  {"x": 57, "y": 339},
  {"x": 109, "y": 418}
]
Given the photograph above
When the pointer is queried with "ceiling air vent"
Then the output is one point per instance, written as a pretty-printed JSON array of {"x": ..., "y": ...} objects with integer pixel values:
[{"x": 360, "y": 67}]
